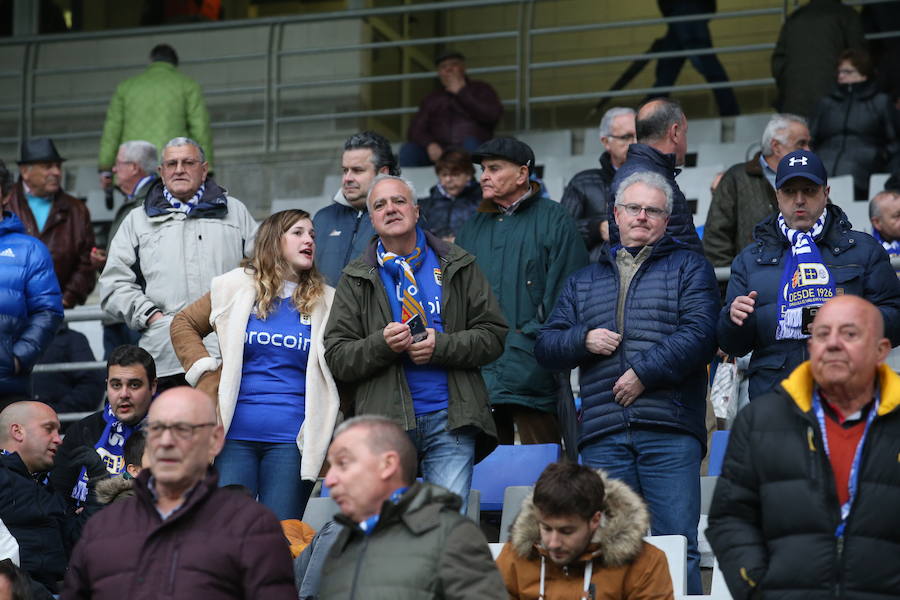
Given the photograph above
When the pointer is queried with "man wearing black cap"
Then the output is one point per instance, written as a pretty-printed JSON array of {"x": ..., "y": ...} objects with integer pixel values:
[
  {"x": 800, "y": 258},
  {"x": 527, "y": 246},
  {"x": 462, "y": 113},
  {"x": 61, "y": 221}
]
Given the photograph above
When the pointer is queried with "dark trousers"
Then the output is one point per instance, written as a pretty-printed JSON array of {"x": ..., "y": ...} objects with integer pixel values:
[{"x": 535, "y": 426}]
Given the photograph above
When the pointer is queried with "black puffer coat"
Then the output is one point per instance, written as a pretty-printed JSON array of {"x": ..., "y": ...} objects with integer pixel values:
[
  {"x": 775, "y": 510},
  {"x": 585, "y": 199},
  {"x": 854, "y": 132}
]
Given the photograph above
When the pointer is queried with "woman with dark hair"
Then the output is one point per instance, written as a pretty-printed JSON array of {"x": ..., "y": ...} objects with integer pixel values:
[
  {"x": 854, "y": 128},
  {"x": 276, "y": 396},
  {"x": 455, "y": 198}
]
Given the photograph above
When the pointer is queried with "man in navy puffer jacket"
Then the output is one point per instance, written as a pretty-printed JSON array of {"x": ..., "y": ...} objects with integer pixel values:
[
  {"x": 30, "y": 301},
  {"x": 640, "y": 323}
]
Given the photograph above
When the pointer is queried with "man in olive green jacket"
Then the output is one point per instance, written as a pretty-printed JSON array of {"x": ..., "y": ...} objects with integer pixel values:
[
  {"x": 400, "y": 540},
  {"x": 157, "y": 105},
  {"x": 431, "y": 387}
]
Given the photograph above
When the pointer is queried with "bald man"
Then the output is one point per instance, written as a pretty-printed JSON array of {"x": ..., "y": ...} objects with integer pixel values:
[
  {"x": 806, "y": 505},
  {"x": 35, "y": 515},
  {"x": 181, "y": 536}
]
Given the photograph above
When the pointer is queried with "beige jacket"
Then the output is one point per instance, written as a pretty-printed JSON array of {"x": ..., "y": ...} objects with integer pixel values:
[{"x": 225, "y": 310}]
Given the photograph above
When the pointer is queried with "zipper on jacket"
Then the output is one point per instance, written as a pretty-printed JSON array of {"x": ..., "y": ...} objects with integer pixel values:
[
  {"x": 359, "y": 562},
  {"x": 349, "y": 253},
  {"x": 172, "y": 570}
]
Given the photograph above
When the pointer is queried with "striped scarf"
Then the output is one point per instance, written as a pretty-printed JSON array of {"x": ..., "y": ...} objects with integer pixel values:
[
  {"x": 402, "y": 270},
  {"x": 184, "y": 206}
]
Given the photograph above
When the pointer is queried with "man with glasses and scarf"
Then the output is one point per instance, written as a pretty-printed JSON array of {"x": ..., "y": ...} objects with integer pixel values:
[
  {"x": 166, "y": 252},
  {"x": 640, "y": 323},
  {"x": 800, "y": 258}
]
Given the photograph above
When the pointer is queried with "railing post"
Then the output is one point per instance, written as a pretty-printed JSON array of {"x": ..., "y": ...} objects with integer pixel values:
[
  {"x": 526, "y": 23},
  {"x": 270, "y": 102}
]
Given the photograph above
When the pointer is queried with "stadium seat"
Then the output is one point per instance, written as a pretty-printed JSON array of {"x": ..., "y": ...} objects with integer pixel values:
[
  {"x": 510, "y": 465},
  {"x": 319, "y": 511},
  {"x": 702, "y": 131},
  {"x": 723, "y": 154},
  {"x": 592, "y": 145},
  {"x": 675, "y": 547},
  {"x": 559, "y": 170},
  {"x": 422, "y": 178},
  {"x": 707, "y": 489},
  {"x": 547, "y": 143},
  {"x": 512, "y": 503},
  {"x": 749, "y": 128},
  {"x": 330, "y": 185},
  {"x": 310, "y": 204},
  {"x": 842, "y": 195},
  {"x": 694, "y": 183},
  {"x": 876, "y": 183},
  {"x": 719, "y": 590},
  {"x": 717, "y": 453}
]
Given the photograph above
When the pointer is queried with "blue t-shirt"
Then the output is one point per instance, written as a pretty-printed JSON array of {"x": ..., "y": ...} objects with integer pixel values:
[
  {"x": 40, "y": 208},
  {"x": 271, "y": 403},
  {"x": 427, "y": 383}
]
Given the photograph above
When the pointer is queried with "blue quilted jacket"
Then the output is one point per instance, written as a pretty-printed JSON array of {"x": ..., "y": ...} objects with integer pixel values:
[
  {"x": 30, "y": 303},
  {"x": 642, "y": 157},
  {"x": 668, "y": 339}
]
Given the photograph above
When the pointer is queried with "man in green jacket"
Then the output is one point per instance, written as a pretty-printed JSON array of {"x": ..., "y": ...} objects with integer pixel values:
[
  {"x": 159, "y": 104},
  {"x": 400, "y": 539},
  {"x": 527, "y": 246},
  {"x": 412, "y": 322}
]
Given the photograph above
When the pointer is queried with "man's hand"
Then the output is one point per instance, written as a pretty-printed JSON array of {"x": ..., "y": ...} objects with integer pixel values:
[
  {"x": 602, "y": 341},
  {"x": 434, "y": 151},
  {"x": 454, "y": 81},
  {"x": 105, "y": 179},
  {"x": 398, "y": 336},
  {"x": 98, "y": 258},
  {"x": 420, "y": 352},
  {"x": 628, "y": 388},
  {"x": 742, "y": 307}
]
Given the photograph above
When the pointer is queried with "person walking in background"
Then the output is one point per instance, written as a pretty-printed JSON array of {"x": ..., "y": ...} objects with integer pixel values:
[
  {"x": 157, "y": 105},
  {"x": 276, "y": 397}
]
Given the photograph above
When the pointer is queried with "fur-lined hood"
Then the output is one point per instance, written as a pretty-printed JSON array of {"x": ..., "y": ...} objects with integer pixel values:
[
  {"x": 113, "y": 489},
  {"x": 619, "y": 538}
]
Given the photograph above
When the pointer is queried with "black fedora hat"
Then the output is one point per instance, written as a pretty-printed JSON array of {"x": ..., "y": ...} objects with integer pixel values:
[{"x": 39, "y": 150}]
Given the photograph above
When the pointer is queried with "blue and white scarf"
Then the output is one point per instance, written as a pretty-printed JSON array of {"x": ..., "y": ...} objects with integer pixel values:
[
  {"x": 110, "y": 447},
  {"x": 805, "y": 282},
  {"x": 402, "y": 270},
  {"x": 892, "y": 248},
  {"x": 184, "y": 206}
]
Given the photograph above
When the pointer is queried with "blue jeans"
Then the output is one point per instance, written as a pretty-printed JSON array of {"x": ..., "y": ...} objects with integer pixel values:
[
  {"x": 664, "y": 468},
  {"x": 445, "y": 457},
  {"x": 270, "y": 471}
]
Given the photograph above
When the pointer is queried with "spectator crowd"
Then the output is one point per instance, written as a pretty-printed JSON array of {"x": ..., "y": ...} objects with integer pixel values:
[{"x": 250, "y": 364}]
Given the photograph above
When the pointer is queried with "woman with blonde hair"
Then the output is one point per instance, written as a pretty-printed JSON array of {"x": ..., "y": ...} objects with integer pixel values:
[{"x": 276, "y": 397}]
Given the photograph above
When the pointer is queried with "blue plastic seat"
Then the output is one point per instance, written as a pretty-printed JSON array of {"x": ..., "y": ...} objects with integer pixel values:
[
  {"x": 717, "y": 452},
  {"x": 508, "y": 466}
]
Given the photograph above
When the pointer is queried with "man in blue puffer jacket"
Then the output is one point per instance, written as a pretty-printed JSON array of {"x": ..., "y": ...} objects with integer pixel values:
[
  {"x": 30, "y": 301},
  {"x": 640, "y": 323}
]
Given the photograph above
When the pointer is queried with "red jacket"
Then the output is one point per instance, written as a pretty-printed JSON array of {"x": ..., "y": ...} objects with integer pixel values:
[
  {"x": 69, "y": 236},
  {"x": 219, "y": 545}
]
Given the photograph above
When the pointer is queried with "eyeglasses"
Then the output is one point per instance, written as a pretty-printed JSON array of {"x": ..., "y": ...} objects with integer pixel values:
[
  {"x": 187, "y": 163},
  {"x": 182, "y": 431},
  {"x": 628, "y": 137},
  {"x": 652, "y": 212}
]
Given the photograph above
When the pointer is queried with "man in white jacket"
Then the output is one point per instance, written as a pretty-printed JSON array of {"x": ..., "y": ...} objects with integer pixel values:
[{"x": 167, "y": 251}]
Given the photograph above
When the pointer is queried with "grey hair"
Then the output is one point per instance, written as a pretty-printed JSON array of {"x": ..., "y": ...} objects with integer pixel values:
[
  {"x": 385, "y": 435},
  {"x": 875, "y": 202},
  {"x": 775, "y": 129},
  {"x": 609, "y": 116},
  {"x": 384, "y": 176},
  {"x": 141, "y": 152},
  {"x": 651, "y": 179},
  {"x": 185, "y": 141}
]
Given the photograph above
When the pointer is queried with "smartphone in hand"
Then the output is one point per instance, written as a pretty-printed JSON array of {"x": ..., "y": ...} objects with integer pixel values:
[{"x": 417, "y": 328}]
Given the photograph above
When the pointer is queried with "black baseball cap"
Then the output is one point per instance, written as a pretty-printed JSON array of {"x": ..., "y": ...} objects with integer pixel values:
[
  {"x": 505, "y": 148},
  {"x": 800, "y": 163}
]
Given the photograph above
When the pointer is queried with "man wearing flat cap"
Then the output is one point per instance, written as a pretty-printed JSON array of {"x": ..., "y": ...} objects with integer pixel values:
[
  {"x": 527, "y": 246},
  {"x": 461, "y": 114},
  {"x": 58, "y": 219},
  {"x": 800, "y": 257}
]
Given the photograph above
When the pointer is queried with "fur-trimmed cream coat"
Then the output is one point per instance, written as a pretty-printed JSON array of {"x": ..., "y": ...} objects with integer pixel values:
[{"x": 226, "y": 310}]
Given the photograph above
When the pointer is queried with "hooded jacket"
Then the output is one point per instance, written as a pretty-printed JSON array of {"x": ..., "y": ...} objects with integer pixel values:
[
  {"x": 858, "y": 264},
  {"x": 623, "y": 564},
  {"x": 854, "y": 132},
  {"x": 30, "y": 304},
  {"x": 114, "y": 488},
  {"x": 775, "y": 509},
  {"x": 162, "y": 259},
  {"x": 642, "y": 157},
  {"x": 342, "y": 234},
  {"x": 420, "y": 549},
  {"x": 585, "y": 200}
]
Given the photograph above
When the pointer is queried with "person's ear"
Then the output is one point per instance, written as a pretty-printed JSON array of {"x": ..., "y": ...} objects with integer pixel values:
[{"x": 523, "y": 175}]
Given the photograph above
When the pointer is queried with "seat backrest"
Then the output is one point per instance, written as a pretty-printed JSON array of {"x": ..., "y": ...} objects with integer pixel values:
[
  {"x": 510, "y": 465},
  {"x": 748, "y": 128},
  {"x": 717, "y": 452},
  {"x": 547, "y": 143},
  {"x": 496, "y": 548},
  {"x": 722, "y": 154},
  {"x": 704, "y": 131},
  {"x": 842, "y": 195},
  {"x": 593, "y": 147},
  {"x": 707, "y": 489},
  {"x": 876, "y": 183},
  {"x": 675, "y": 547},
  {"x": 422, "y": 178},
  {"x": 695, "y": 184},
  {"x": 513, "y": 497},
  {"x": 319, "y": 511},
  {"x": 330, "y": 185},
  {"x": 719, "y": 589}
]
